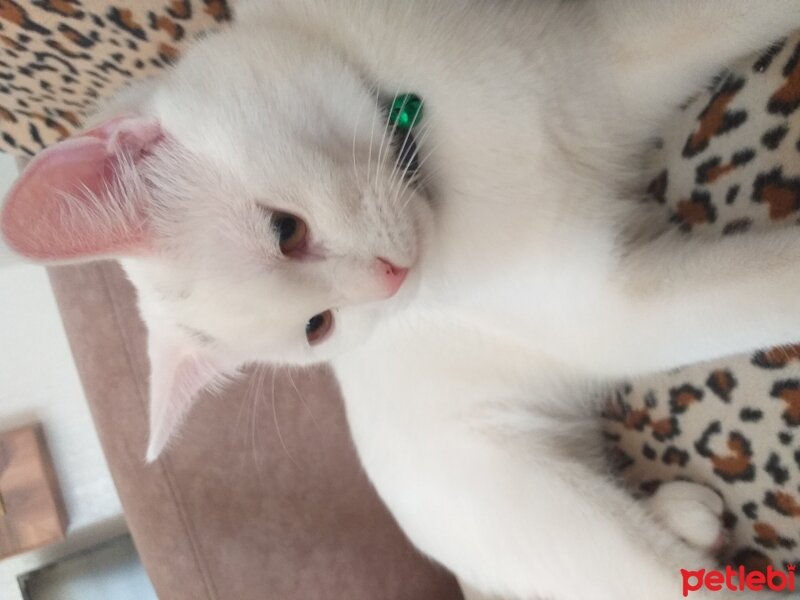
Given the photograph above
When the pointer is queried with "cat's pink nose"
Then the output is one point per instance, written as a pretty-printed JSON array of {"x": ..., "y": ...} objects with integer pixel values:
[{"x": 393, "y": 276}]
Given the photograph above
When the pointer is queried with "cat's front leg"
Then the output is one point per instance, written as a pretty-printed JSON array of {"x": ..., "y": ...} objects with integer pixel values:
[
  {"x": 677, "y": 301},
  {"x": 692, "y": 511},
  {"x": 515, "y": 520},
  {"x": 490, "y": 489},
  {"x": 660, "y": 52}
]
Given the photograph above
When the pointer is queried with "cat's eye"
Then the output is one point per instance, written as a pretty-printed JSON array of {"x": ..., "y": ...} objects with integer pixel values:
[
  {"x": 290, "y": 230},
  {"x": 319, "y": 326}
]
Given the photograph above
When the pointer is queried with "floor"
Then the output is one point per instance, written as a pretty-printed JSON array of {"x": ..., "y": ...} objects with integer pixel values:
[{"x": 111, "y": 571}]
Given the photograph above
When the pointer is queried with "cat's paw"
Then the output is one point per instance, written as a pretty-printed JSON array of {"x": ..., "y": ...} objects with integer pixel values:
[{"x": 693, "y": 512}]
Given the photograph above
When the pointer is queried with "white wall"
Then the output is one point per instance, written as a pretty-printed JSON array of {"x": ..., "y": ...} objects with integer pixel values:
[
  {"x": 38, "y": 382},
  {"x": 8, "y": 171}
]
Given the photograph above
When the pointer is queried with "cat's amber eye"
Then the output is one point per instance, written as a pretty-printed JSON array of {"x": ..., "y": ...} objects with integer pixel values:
[
  {"x": 319, "y": 326},
  {"x": 290, "y": 230}
]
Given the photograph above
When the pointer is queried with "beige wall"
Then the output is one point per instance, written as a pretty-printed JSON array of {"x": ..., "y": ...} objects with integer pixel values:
[{"x": 8, "y": 171}]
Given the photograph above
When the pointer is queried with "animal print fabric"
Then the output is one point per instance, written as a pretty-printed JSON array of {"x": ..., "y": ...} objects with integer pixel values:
[
  {"x": 58, "y": 58},
  {"x": 731, "y": 166}
]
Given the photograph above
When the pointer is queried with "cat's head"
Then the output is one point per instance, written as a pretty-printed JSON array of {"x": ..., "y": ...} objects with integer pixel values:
[{"x": 253, "y": 200}]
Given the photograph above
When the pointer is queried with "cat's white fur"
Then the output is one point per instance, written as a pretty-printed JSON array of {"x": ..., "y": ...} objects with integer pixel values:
[{"x": 470, "y": 393}]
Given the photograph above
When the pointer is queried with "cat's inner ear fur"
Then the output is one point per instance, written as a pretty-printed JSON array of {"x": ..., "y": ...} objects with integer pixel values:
[
  {"x": 180, "y": 367},
  {"x": 83, "y": 198}
]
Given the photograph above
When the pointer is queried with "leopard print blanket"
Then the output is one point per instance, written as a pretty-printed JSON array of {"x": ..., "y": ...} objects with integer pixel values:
[
  {"x": 58, "y": 58},
  {"x": 731, "y": 166}
]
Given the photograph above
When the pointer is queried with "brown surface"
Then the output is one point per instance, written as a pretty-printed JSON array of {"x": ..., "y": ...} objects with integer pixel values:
[
  {"x": 261, "y": 498},
  {"x": 32, "y": 513}
]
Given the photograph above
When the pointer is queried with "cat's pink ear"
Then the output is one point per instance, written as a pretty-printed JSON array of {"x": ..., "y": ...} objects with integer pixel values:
[
  {"x": 81, "y": 198},
  {"x": 179, "y": 369}
]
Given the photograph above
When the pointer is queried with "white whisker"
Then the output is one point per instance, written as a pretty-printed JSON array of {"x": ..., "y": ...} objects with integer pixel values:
[
  {"x": 302, "y": 399},
  {"x": 396, "y": 177},
  {"x": 421, "y": 167},
  {"x": 402, "y": 179},
  {"x": 259, "y": 377},
  {"x": 372, "y": 137},
  {"x": 277, "y": 425},
  {"x": 388, "y": 132},
  {"x": 355, "y": 134}
]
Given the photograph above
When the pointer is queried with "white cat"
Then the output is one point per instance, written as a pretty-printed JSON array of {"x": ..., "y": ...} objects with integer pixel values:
[{"x": 472, "y": 297}]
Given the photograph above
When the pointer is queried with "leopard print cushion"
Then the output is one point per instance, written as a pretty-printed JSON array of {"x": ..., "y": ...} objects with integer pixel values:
[
  {"x": 732, "y": 166},
  {"x": 58, "y": 58}
]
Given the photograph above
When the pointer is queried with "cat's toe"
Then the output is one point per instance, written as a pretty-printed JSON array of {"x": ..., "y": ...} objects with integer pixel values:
[{"x": 693, "y": 512}]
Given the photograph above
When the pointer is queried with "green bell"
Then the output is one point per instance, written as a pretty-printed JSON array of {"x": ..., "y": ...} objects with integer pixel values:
[{"x": 406, "y": 111}]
